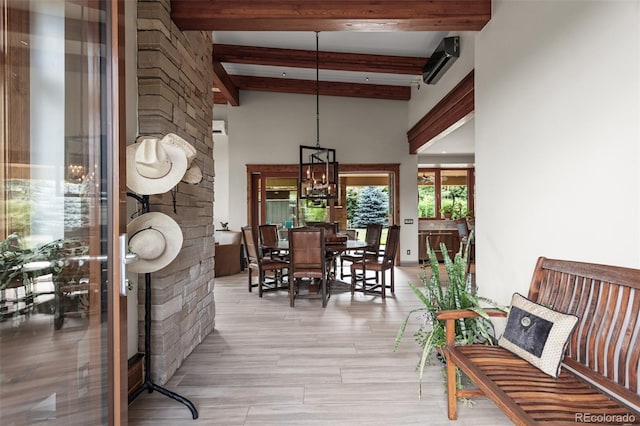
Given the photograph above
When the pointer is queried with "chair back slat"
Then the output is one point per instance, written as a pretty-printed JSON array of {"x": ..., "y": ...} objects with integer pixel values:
[
  {"x": 463, "y": 229},
  {"x": 372, "y": 238},
  {"x": 373, "y": 235},
  {"x": 251, "y": 244},
  {"x": 268, "y": 235},
  {"x": 633, "y": 357},
  {"x": 306, "y": 248},
  {"x": 391, "y": 247},
  {"x": 606, "y": 300},
  {"x": 307, "y": 261}
]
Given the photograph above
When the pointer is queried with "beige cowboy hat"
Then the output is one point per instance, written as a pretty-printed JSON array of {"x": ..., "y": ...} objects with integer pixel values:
[
  {"x": 156, "y": 238},
  {"x": 193, "y": 174},
  {"x": 154, "y": 167}
]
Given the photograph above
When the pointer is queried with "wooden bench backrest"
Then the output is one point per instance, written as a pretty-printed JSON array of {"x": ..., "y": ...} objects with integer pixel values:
[{"x": 605, "y": 345}]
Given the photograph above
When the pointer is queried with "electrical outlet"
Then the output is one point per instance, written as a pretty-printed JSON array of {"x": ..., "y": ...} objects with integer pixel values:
[{"x": 408, "y": 252}]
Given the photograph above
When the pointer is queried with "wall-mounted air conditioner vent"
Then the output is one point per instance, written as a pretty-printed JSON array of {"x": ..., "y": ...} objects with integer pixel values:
[
  {"x": 219, "y": 127},
  {"x": 441, "y": 60}
]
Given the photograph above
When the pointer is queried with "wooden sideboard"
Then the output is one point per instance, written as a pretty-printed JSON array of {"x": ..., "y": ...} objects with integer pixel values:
[{"x": 450, "y": 238}]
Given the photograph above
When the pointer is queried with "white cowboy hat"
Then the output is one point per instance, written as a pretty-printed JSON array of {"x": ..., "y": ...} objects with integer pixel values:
[
  {"x": 154, "y": 167},
  {"x": 193, "y": 174},
  {"x": 156, "y": 238}
]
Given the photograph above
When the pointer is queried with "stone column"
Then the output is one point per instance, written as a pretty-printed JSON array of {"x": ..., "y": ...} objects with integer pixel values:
[{"x": 175, "y": 78}]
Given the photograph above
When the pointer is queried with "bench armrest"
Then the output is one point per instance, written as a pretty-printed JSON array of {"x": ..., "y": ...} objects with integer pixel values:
[
  {"x": 455, "y": 314},
  {"x": 450, "y": 317}
]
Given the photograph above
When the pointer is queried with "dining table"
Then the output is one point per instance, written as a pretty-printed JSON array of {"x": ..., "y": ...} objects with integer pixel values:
[
  {"x": 333, "y": 249},
  {"x": 330, "y": 247}
]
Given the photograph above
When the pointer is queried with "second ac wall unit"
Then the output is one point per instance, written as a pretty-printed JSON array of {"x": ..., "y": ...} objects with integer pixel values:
[
  {"x": 441, "y": 59},
  {"x": 219, "y": 127}
]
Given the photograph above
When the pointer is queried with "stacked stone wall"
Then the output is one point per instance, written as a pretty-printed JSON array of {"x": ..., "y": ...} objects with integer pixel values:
[{"x": 175, "y": 78}]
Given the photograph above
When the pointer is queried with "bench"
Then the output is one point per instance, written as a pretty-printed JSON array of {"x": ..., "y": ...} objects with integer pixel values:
[{"x": 598, "y": 382}]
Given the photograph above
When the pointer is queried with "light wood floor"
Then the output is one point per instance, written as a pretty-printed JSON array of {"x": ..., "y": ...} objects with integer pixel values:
[{"x": 269, "y": 364}]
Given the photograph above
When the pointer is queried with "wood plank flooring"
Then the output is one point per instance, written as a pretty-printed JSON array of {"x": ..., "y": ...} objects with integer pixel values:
[{"x": 269, "y": 364}]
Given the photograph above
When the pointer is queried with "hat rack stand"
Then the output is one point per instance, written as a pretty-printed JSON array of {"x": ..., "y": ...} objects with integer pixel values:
[{"x": 148, "y": 383}]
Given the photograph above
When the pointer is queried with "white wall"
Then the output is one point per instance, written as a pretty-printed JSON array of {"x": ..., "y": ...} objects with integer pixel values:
[
  {"x": 221, "y": 179},
  {"x": 456, "y": 149},
  {"x": 557, "y": 138},
  {"x": 268, "y": 128}
]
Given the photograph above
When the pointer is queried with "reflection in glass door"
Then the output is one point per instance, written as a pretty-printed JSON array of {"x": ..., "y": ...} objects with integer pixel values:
[
  {"x": 56, "y": 310},
  {"x": 281, "y": 201},
  {"x": 284, "y": 209}
]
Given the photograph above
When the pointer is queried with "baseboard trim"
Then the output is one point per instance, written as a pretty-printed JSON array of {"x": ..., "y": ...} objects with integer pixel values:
[{"x": 135, "y": 373}]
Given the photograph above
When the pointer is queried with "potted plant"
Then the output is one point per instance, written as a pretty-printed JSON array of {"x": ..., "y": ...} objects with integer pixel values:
[
  {"x": 436, "y": 297},
  {"x": 447, "y": 210}
]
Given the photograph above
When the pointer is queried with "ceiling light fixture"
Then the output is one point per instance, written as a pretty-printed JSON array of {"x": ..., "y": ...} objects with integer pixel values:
[{"x": 318, "y": 168}]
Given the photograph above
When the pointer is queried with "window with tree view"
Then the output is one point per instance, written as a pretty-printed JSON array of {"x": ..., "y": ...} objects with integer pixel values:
[{"x": 444, "y": 193}]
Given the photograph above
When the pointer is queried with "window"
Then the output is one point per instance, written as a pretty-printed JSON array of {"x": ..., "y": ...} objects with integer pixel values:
[
  {"x": 273, "y": 194},
  {"x": 445, "y": 193}
]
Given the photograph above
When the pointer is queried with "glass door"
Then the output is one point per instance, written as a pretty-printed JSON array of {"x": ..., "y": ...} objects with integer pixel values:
[
  {"x": 283, "y": 208},
  {"x": 62, "y": 313},
  {"x": 280, "y": 195}
]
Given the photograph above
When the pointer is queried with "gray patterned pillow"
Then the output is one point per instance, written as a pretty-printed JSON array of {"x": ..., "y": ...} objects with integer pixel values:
[{"x": 537, "y": 334}]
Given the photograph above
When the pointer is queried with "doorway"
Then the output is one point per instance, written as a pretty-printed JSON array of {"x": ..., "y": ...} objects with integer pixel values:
[{"x": 273, "y": 194}]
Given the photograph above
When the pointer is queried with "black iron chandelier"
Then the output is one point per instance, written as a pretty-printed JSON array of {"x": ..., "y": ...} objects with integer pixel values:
[{"x": 318, "y": 170}]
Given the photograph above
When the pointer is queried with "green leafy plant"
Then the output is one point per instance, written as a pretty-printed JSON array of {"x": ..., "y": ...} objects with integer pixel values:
[
  {"x": 14, "y": 257},
  {"x": 447, "y": 209},
  {"x": 436, "y": 297}
]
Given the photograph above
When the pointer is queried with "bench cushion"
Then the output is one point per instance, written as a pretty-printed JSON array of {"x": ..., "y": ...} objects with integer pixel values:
[
  {"x": 527, "y": 395},
  {"x": 537, "y": 334}
]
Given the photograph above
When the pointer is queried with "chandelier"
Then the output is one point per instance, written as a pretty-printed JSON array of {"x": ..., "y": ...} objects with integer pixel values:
[{"x": 318, "y": 169}]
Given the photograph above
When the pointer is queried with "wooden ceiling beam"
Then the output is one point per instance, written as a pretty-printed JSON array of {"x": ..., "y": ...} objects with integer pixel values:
[
  {"x": 331, "y": 15},
  {"x": 455, "y": 109},
  {"x": 219, "y": 99},
  {"x": 222, "y": 81},
  {"x": 407, "y": 65},
  {"x": 327, "y": 88}
]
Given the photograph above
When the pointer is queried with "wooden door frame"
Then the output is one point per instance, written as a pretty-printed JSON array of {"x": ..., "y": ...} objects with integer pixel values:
[{"x": 116, "y": 222}]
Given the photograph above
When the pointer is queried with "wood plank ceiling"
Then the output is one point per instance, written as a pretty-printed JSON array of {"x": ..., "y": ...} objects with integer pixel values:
[{"x": 332, "y": 15}]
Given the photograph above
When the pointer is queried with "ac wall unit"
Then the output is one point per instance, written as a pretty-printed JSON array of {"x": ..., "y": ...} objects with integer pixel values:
[
  {"x": 441, "y": 59},
  {"x": 219, "y": 127}
]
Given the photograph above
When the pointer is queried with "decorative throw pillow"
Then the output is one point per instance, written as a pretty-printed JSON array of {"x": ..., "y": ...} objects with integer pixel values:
[{"x": 537, "y": 334}]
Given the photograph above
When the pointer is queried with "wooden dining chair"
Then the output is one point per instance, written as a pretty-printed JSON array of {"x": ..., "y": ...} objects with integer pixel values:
[
  {"x": 372, "y": 238},
  {"x": 269, "y": 242},
  {"x": 329, "y": 227},
  {"x": 308, "y": 260},
  {"x": 380, "y": 266},
  {"x": 351, "y": 234},
  {"x": 263, "y": 265}
]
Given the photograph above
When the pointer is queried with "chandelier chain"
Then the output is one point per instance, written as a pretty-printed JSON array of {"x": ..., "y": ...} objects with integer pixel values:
[{"x": 317, "y": 90}]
